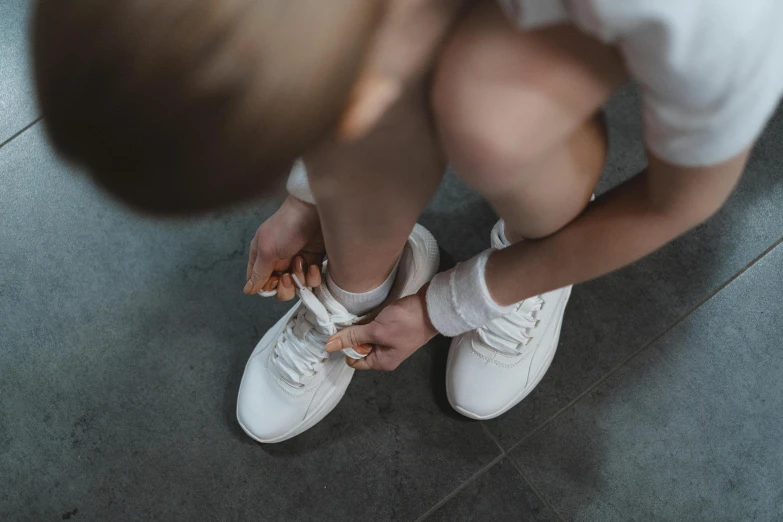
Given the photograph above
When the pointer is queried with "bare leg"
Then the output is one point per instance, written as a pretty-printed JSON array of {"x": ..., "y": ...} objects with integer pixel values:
[
  {"x": 554, "y": 190},
  {"x": 518, "y": 117},
  {"x": 370, "y": 193},
  {"x": 369, "y": 196}
]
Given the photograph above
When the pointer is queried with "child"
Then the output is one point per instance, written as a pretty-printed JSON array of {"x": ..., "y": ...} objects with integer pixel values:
[{"x": 516, "y": 114}]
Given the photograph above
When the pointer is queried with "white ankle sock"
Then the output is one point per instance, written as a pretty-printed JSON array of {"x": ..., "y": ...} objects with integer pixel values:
[
  {"x": 459, "y": 301},
  {"x": 502, "y": 234},
  {"x": 360, "y": 304}
]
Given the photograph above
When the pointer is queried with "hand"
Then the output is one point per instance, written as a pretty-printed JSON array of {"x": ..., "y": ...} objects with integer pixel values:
[
  {"x": 399, "y": 330},
  {"x": 289, "y": 242},
  {"x": 401, "y": 56}
]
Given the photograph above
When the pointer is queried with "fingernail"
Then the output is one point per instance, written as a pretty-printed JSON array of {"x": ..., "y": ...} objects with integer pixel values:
[
  {"x": 287, "y": 281},
  {"x": 248, "y": 287},
  {"x": 299, "y": 264},
  {"x": 274, "y": 284},
  {"x": 362, "y": 350},
  {"x": 313, "y": 270},
  {"x": 333, "y": 345}
]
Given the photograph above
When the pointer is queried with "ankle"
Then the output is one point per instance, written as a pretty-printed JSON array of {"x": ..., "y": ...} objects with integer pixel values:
[{"x": 359, "y": 303}]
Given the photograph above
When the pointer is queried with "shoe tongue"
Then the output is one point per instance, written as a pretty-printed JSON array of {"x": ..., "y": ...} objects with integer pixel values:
[{"x": 319, "y": 301}]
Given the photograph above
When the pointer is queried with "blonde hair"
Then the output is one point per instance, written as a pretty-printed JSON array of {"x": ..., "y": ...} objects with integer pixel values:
[{"x": 180, "y": 106}]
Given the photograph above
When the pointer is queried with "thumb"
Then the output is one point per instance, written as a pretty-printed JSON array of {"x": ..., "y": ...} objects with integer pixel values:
[
  {"x": 261, "y": 264},
  {"x": 373, "y": 95},
  {"x": 359, "y": 337}
]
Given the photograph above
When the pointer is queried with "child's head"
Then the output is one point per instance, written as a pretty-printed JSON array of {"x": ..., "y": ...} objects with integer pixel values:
[{"x": 179, "y": 106}]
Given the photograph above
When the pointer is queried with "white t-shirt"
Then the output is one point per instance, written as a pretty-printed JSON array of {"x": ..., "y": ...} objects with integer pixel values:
[{"x": 711, "y": 71}]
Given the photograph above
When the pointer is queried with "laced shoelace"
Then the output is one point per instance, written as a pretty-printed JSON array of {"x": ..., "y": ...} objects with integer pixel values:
[
  {"x": 511, "y": 333},
  {"x": 300, "y": 348}
]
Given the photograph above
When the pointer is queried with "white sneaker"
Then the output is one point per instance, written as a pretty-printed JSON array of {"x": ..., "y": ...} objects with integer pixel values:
[
  {"x": 491, "y": 369},
  {"x": 290, "y": 382}
]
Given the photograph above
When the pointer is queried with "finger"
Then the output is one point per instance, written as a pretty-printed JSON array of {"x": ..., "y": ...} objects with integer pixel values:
[
  {"x": 357, "y": 335},
  {"x": 373, "y": 361},
  {"x": 359, "y": 352},
  {"x": 262, "y": 269},
  {"x": 313, "y": 258},
  {"x": 363, "y": 349},
  {"x": 313, "y": 276},
  {"x": 361, "y": 364},
  {"x": 251, "y": 261},
  {"x": 285, "y": 289},
  {"x": 299, "y": 269},
  {"x": 271, "y": 284},
  {"x": 373, "y": 94}
]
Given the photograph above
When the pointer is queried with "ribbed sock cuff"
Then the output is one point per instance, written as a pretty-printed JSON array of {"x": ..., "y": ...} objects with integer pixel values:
[
  {"x": 458, "y": 300},
  {"x": 360, "y": 304}
]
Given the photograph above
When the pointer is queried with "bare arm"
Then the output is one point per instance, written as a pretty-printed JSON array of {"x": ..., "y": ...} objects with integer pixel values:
[
  {"x": 633, "y": 220},
  {"x": 401, "y": 56},
  {"x": 624, "y": 225}
]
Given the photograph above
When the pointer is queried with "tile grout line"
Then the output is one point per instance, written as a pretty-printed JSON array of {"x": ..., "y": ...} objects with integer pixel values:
[
  {"x": 522, "y": 475},
  {"x": 25, "y": 129},
  {"x": 644, "y": 347},
  {"x": 459, "y": 488},
  {"x": 507, "y": 453},
  {"x": 480, "y": 472},
  {"x": 529, "y": 483},
  {"x": 491, "y": 437}
]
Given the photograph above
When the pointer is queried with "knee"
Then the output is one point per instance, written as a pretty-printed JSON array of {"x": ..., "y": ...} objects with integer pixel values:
[{"x": 487, "y": 139}]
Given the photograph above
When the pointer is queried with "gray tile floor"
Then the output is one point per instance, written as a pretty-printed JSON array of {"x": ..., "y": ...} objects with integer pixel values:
[{"x": 122, "y": 341}]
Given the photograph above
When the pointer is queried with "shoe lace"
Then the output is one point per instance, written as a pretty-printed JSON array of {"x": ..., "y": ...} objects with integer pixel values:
[
  {"x": 511, "y": 333},
  {"x": 300, "y": 349}
]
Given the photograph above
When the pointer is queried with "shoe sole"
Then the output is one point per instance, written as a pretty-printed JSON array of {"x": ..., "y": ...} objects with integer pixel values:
[
  {"x": 525, "y": 392},
  {"x": 419, "y": 233}
]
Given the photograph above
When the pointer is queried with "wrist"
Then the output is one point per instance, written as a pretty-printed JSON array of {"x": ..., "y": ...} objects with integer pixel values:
[{"x": 422, "y": 295}]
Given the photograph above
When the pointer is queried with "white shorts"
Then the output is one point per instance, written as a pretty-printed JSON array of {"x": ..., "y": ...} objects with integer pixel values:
[{"x": 711, "y": 71}]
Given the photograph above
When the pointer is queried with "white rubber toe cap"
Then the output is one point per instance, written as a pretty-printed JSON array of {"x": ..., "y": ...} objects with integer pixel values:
[
  {"x": 478, "y": 387},
  {"x": 264, "y": 411}
]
